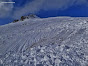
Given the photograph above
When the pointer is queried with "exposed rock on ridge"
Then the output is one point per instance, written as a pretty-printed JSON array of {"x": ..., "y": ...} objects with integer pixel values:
[{"x": 31, "y": 16}]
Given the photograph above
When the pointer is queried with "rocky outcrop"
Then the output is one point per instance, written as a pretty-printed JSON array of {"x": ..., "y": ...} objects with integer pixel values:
[
  {"x": 15, "y": 21},
  {"x": 31, "y": 16}
]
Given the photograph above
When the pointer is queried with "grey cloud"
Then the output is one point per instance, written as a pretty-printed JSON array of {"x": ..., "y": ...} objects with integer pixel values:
[
  {"x": 80, "y": 2},
  {"x": 37, "y": 5},
  {"x": 5, "y": 9},
  {"x": 31, "y": 7},
  {"x": 62, "y": 4}
]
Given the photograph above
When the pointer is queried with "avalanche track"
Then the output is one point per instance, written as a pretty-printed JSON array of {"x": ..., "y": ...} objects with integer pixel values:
[{"x": 55, "y": 41}]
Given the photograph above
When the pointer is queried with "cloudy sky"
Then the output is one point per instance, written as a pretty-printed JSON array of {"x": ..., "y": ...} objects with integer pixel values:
[{"x": 42, "y": 8}]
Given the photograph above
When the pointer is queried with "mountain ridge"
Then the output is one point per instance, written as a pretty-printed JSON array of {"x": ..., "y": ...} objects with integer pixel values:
[{"x": 31, "y": 16}]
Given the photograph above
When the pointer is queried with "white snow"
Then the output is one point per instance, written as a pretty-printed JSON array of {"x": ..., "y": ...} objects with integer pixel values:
[{"x": 61, "y": 41}]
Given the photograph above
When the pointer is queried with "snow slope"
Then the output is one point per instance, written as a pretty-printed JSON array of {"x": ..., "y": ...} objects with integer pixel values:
[{"x": 55, "y": 41}]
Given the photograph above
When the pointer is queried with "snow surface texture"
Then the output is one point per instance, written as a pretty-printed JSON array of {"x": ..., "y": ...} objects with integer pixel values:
[{"x": 56, "y": 41}]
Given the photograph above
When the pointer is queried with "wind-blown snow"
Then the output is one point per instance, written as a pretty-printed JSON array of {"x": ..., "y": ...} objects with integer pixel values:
[{"x": 56, "y": 41}]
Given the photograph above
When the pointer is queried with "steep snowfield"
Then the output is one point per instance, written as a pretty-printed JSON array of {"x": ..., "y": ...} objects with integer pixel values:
[{"x": 56, "y": 41}]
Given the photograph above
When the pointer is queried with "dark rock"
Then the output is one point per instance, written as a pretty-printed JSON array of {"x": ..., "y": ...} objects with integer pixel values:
[
  {"x": 31, "y": 16},
  {"x": 15, "y": 21},
  {"x": 22, "y": 18}
]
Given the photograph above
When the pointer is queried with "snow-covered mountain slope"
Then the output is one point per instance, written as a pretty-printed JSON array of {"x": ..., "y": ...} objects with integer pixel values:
[{"x": 56, "y": 41}]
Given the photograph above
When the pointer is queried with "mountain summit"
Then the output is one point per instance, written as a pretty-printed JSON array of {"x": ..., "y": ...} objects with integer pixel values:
[{"x": 55, "y": 41}]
